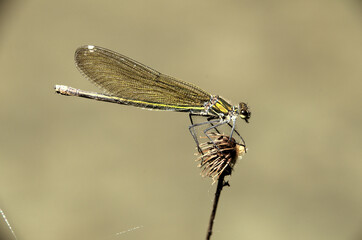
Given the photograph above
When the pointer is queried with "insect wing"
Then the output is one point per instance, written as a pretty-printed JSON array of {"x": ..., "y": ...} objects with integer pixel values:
[{"x": 123, "y": 77}]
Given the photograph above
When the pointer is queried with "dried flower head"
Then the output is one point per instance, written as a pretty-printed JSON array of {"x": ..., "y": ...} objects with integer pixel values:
[{"x": 219, "y": 156}]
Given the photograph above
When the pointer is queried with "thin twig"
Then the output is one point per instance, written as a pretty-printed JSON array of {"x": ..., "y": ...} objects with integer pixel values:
[
  {"x": 8, "y": 224},
  {"x": 220, "y": 185}
]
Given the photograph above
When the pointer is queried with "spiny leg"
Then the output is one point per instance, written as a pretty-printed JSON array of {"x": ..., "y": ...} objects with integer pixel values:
[
  {"x": 214, "y": 127},
  {"x": 210, "y": 118},
  {"x": 194, "y": 135},
  {"x": 192, "y": 130},
  {"x": 237, "y": 133},
  {"x": 192, "y": 126}
]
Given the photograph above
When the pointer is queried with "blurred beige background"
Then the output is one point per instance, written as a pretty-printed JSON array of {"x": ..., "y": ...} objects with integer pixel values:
[{"x": 74, "y": 168}]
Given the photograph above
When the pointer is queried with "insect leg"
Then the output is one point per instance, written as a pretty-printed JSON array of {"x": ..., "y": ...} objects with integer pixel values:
[
  {"x": 237, "y": 133},
  {"x": 192, "y": 128},
  {"x": 208, "y": 119},
  {"x": 194, "y": 135},
  {"x": 214, "y": 127}
]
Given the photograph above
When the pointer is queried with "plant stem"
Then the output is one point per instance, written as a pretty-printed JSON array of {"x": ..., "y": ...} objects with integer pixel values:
[{"x": 220, "y": 185}]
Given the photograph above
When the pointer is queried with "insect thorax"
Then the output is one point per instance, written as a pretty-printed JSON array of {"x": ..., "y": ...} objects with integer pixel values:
[{"x": 217, "y": 106}]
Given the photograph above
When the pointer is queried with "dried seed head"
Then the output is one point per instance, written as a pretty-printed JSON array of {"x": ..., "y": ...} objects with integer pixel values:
[{"x": 219, "y": 156}]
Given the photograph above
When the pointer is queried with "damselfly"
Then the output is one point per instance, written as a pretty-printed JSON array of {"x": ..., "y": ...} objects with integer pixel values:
[{"x": 129, "y": 82}]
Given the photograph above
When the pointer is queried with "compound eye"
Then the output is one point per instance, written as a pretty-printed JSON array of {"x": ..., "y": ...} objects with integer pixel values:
[{"x": 243, "y": 112}]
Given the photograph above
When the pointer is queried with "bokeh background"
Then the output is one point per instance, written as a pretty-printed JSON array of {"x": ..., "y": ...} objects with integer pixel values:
[{"x": 74, "y": 168}]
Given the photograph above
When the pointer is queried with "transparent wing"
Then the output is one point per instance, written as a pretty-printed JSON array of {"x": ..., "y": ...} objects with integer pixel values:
[{"x": 123, "y": 77}]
